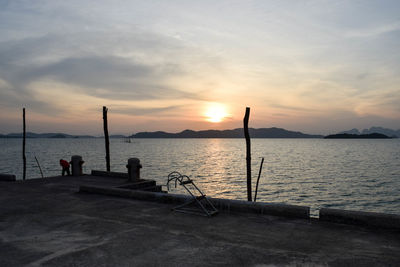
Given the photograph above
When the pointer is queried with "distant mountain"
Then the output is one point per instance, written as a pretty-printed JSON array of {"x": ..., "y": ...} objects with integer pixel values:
[
  {"x": 352, "y": 131},
  {"x": 235, "y": 133},
  {"x": 44, "y": 135},
  {"x": 385, "y": 131},
  {"x": 58, "y": 136},
  {"x": 380, "y": 130},
  {"x": 357, "y": 136},
  {"x": 118, "y": 136}
]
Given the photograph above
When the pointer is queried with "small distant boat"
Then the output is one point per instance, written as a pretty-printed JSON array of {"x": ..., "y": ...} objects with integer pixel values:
[{"x": 128, "y": 140}]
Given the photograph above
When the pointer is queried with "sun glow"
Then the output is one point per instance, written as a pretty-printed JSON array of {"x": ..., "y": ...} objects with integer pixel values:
[{"x": 215, "y": 113}]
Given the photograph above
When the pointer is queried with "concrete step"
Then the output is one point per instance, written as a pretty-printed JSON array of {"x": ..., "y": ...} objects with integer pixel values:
[
  {"x": 156, "y": 188},
  {"x": 139, "y": 185},
  {"x": 109, "y": 174}
]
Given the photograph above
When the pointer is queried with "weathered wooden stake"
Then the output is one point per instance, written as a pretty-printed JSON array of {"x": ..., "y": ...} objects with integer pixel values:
[
  {"x": 40, "y": 168},
  {"x": 258, "y": 180},
  {"x": 105, "y": 123},
  {"x": 248, "y": 152},
  {"x": 23, "y": 145}
]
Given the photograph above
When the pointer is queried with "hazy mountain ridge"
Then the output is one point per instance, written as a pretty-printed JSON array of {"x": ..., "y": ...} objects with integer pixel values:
[
  {"x": 358, "y": 136},
  {"x": 44, "y": 135},
  {"x": 374, "y": 129},
  {"x": 273, "y": 132},
  {"x": 234, "y": 133}
]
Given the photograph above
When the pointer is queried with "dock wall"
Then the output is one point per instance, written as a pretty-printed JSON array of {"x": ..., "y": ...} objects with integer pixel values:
[
  {"x": 370, "y": 219},
  {"x": 7, "y": 177},
  {"x": 226, "y": 205},
  {"x": 109, "y": 174}
]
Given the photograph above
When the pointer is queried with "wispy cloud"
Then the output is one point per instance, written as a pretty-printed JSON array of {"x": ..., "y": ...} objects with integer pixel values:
[
  {"x": 104, "y": 72},
  {"x": 160, "y": 111},
  {"x": 374, "y": 31},
  {"x": 306, "y": 61}
]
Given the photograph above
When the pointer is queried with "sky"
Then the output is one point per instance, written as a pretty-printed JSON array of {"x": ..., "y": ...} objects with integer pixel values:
[{"x": 312, "y": 66}]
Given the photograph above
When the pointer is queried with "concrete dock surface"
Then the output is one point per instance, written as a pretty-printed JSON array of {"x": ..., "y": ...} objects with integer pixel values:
[{"x": 46, "y": 222}]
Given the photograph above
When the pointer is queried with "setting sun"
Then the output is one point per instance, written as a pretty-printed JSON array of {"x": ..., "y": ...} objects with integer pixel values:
[{"x": 216, "y": 113}]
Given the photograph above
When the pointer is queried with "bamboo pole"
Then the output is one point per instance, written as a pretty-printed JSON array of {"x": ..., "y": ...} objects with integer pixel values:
[
  {"x": 23, "y": 145},
  {"x": 258, "y": 179},
  {"x": 106, "y": 137},
  {"x": 40, "y": 168},
  {"x": 248, "y": 152}
]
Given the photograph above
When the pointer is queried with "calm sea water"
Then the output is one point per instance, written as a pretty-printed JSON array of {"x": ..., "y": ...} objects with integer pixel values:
[{"x": 349, "y": 174}]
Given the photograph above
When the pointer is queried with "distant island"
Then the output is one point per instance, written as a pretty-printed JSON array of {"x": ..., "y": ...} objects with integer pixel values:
[
  {"x": 273, "y": 132},
  {"x": 358, "y": 136},
  {"x": 235, "y": 133},
  {"x": 44, "y": 135},
  {"x": 374, "y": 129},
  {"x": 53, "y": 135}
]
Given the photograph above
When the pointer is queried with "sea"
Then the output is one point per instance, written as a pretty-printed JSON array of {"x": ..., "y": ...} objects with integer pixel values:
[{"x": 347, "y": 174}]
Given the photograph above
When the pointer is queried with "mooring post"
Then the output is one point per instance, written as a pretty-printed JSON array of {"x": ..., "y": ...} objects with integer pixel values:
[
  {"x": 23, "y": 145},
  {"x": 248, "y": 153},
  {"x": 76, "y": 165},
  {"x": 134, "y": 167},
  {"x": 105, "y": 123}
]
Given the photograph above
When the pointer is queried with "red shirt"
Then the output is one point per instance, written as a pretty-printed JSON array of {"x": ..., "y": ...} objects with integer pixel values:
[{"x": 64, "y": 163}]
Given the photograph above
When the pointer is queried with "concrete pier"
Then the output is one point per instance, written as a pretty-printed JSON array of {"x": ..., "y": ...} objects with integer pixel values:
[
  {"x": 226, "y": 205},
  {"x": 370, "y": 219},
  {"x": 46, "y": 222},
  {"x": 8, "y": 177}
]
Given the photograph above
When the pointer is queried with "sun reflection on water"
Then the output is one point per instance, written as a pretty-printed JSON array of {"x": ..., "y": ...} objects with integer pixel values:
[{"x": 310, "y": 172}]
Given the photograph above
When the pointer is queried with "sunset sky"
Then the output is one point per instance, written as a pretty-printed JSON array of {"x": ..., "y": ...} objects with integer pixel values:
[{"x": 312, "y": 66}]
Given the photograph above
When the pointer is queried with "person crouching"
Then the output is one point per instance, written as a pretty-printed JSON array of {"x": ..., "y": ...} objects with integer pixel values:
[{"x": 65, "y": 167}]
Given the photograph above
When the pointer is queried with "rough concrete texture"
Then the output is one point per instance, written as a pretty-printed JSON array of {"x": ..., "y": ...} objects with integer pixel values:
[
  {"x": 7, "y": 177},
  {"x": 226, "y": 205},
  {"x": 371, "y": 219},
  {"x": 109, "y": 174},
  {"x": 45, "y": 222}
]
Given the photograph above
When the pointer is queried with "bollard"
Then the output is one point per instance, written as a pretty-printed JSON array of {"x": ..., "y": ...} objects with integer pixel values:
[
  {"x": 134, "y": 169},
  {"x": 76, "y": 165}
]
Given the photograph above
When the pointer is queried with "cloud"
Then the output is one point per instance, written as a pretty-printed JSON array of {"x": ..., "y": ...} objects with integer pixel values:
[
  {"x": 290, "y": 107},
  {"x": 155, "y": 59},
  {"x": 111, "y": 78},
  {"x": 145, "y": 111},
  {"x": 374, "y": 31},
  {"x": 97, "y": 66}
]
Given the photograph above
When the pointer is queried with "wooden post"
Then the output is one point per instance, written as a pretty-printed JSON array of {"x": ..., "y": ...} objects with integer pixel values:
[
  {"x": 23, "y": 145},
  {"x": 258, "y": 179},
  {"x": 40, "y": 168},
  {"x": 248, "y": 153},
  {"x": 105, "y": 123}
]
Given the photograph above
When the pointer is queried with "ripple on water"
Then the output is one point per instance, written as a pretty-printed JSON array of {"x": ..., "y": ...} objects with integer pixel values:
[{"x": 351, "y": 174}]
